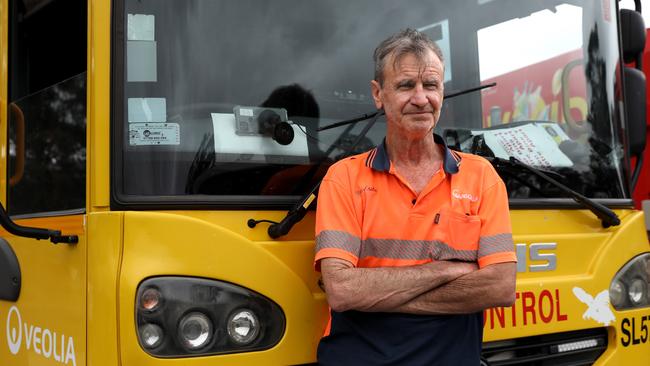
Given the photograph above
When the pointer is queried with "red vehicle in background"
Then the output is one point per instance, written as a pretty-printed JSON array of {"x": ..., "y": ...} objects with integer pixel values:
[
  {"x": 642, "y": 192},
  {"x": 526, "y": 94}
]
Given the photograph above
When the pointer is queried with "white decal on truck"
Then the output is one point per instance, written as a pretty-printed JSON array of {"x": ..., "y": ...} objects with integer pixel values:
[
  {"x": 14, "y": 334},
  {"x": 42, "y": 341},
  {"x": 597, "y": 308}
]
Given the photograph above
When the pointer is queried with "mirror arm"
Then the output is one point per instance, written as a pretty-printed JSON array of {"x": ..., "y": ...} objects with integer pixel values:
[{"x": 35, "y": 233}]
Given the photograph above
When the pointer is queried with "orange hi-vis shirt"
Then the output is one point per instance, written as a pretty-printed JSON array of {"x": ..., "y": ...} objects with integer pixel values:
[{"x": 368, "y": 215}]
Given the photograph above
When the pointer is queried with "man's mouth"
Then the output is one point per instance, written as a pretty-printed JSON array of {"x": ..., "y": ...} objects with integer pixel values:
[{"x": 419, "y": 112}]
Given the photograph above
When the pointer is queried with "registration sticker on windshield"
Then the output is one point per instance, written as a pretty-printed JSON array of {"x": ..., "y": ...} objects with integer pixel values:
[{"x": 154, "y": 134}]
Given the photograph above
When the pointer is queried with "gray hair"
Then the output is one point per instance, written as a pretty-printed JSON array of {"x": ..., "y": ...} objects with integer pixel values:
[{"x": 407, "y": 41}]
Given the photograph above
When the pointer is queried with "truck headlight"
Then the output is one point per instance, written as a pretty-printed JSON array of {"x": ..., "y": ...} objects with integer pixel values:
[
  {"x": 617, "y": 293},
  {"x": 151, "y": 335},
  {"x": 243, "y": 326},
  {"x": 150, "y": 299},
  {"x": 637, "y": 292},
  {"x": 629, "y": 288},
  {"x": 195, "y": 331},
  {"x": 183, "y": 316}
]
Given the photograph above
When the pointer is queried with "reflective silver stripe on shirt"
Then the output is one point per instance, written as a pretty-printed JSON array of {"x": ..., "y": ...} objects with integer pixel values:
[
  {"x": 411, "y": 249},
  {"x": 444, "y": 252},
  {"x": 338, "y": 240},
  {"x": 495, "y": 244}
]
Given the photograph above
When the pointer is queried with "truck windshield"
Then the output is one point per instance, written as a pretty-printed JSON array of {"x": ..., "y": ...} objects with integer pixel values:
[{"x": 222, "y": 100}]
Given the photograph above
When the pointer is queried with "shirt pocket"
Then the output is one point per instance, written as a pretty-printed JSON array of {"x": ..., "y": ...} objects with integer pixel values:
[{"x": 457, "y": 236}]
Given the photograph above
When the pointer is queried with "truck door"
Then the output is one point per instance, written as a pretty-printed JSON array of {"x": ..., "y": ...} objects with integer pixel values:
[{"x": 43, "y": 179}]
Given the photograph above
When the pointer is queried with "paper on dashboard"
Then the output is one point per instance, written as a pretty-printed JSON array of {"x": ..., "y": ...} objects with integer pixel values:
[{"x": 535, "y": 144}]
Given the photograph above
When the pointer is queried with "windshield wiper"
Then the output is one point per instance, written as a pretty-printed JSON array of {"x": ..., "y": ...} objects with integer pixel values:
[
  {"x": 469, "y": 90},
  {"x": 366, "y": 116},
  {"x": 607, "y": 217},
  {"x": 360, "y": 118},
  {"x": 278, "y": 229}
]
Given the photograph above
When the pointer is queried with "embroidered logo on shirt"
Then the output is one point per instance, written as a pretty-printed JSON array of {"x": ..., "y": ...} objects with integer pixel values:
[
  {"x": 367, "y": 189},
  {"x": 463, "y": 196}
]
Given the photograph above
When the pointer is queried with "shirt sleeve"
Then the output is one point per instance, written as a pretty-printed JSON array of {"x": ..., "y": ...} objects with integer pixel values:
[
  {"x": 338, "y": 229},
  {"x": 495, "y": 243}
]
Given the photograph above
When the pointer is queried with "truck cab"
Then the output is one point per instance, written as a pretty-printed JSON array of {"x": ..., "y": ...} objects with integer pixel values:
[{"x": 152, "y": 151}]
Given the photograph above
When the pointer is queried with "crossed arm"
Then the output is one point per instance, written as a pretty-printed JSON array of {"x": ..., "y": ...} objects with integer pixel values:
[{"x": 434, "y": 288}]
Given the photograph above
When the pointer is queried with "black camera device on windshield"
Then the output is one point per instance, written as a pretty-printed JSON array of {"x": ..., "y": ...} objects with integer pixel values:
[{"x": 270, "y": 122}]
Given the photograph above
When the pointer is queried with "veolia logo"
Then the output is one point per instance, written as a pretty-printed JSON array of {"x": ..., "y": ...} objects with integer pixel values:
[
  {"x": 41, "y": 341},
  {"x": 463, "y": 196},
  {"x": 14, "y": 330}
]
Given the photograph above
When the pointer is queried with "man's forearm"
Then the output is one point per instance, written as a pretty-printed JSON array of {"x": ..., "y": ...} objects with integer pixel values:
[
  {"x": 385, "y": 288},
  {"x": 488, "y": 287}
]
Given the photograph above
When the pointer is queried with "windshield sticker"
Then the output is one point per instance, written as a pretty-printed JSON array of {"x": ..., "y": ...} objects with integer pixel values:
[
  {"x": 607, "y": 10},
  {"x": 154, "y": 134},
  {"x": 141, "y": 48},
  {"x": 140, "y": 27},
  {"x": 141, "y": 64},
  {"x": 530, "y": 308},
  {"x": 147, "y": 110},
  {"x": 42, "y": 341},
  {"x": 597, "y": 308},
  {"x": 535, "y": 144}
]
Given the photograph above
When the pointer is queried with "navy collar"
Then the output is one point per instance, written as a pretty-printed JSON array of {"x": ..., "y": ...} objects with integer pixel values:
[{"x": 379, "y": 161}]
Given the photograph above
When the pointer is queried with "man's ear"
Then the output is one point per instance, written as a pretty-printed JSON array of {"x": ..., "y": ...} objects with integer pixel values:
[{"x": 376, "y": 93}]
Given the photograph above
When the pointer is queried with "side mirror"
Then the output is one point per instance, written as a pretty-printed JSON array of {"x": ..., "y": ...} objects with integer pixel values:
[
  {"x": 10, "y": 276},
  {"x": 633, "y": 35},
  {"x": 635, "y": 101}
]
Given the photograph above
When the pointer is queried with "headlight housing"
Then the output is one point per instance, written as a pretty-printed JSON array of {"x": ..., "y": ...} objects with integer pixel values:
[
  {"x": 629, "y": 288},
  {"x": 181, "y": 316}
]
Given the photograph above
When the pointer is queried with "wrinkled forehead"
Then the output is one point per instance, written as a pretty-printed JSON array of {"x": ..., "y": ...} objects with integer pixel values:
[{"x": 424, "y": 61}]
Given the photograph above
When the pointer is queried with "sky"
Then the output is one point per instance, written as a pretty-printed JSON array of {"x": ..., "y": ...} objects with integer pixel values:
[
  {"x": 525, "y": 41},
  {"x": 533, "y": 41}
]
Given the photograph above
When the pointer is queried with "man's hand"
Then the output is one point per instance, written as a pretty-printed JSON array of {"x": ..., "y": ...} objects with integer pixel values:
[{"x": 385, "y": 288}]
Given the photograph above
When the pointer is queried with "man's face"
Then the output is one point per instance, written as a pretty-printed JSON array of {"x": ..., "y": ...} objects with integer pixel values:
[{"x": 412, "y": 94}]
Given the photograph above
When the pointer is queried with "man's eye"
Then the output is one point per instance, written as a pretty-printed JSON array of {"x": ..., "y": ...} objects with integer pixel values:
[
  {"x": 431, "y": 86},
  {"x": 405, "y": 85}
]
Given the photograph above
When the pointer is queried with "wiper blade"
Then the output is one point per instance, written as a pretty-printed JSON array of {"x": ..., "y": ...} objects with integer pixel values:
[
  {"x": 360, "y": 118},
  {"x": 607, "y": 216},
  {"x": 298, "y": 212},
  {"x": 366, "y": 116},
  {"x": 467, "y": 91},
  {"x": 503, "y": 163}
]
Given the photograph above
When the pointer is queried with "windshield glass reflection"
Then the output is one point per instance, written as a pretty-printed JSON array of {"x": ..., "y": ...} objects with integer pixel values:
[{"x": 229, "y": 100}]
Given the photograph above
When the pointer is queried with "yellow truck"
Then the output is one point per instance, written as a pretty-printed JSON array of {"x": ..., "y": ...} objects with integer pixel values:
[{"x": 160, "y": 161}]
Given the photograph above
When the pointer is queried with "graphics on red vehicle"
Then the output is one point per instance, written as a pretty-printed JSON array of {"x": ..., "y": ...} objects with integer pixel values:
[
  {"x": 642, "y": 190},
  {"x": 552, "y": 90}
]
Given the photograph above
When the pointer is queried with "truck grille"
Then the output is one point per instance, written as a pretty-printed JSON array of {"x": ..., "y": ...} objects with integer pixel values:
[{"x": 574, "y": 348}]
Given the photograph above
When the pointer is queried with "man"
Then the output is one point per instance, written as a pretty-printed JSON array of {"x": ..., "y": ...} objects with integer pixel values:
[{"x": 413, "y": 239}]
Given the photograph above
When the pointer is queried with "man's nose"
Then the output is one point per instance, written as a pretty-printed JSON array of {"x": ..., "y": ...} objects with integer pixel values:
[{"x": 419, "y": 97}]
